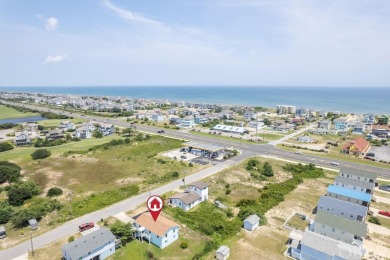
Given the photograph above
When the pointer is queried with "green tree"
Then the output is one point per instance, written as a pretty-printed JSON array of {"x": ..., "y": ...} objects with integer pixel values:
[
  {"x": 55, "y": 191},
  {"x": 40, "y": 154},
  {"x": 20, "y": 192},
  {"x": 128, "y": 131},
  {"x": 9, "y": 172},
  {"x": 267, "y": 170},
  {"x": 5, "y": 212},
  {"x": 20, "y": 218},
  {"x": 122, "y": 230},
  {"x": 5, "y": 146},
  {"x": 97, "y": 134}
]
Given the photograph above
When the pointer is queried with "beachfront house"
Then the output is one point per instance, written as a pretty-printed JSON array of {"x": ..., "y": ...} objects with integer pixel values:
[
  {"x": 359, "y": 128},
  {"x": 83, "y": 133},
  {"x": 99, "y": 244},
  {"x": 161, "y": 233},
  {"x": 301, "y": 112},
  {"x": 383, "y": 120},
  {"x": 249, "y": 115},
  {"x": 369, "y": 119},
  {"x": 222, "y": 253},
  {"x": 251, "y": 222}
]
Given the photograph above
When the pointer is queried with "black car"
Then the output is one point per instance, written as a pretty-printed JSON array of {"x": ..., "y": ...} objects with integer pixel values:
[
  {"x": 160, "y": 131},
  {"x": 385, "y": 188}
]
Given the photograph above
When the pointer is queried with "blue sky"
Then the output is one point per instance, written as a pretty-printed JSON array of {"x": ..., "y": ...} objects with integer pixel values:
[{"x": 195, "y": 42}]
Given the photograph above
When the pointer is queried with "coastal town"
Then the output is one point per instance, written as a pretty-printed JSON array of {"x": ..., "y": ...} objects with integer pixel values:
[{"x": 73, "y": 162}]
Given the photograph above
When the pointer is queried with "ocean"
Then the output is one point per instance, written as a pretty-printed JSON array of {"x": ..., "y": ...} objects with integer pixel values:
[{"x": 344, "y": 99}]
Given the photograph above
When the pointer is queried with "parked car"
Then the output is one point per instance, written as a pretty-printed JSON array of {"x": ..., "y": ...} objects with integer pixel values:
[
  {"x": 385, "y": 187},
  {"x": 298, "y": 152},
  {"x": 384, "y": 213},
  {"x": 86, "y": 226},
  {"x": 334, "y": 163},
  {"x": 183, "y": 157}
]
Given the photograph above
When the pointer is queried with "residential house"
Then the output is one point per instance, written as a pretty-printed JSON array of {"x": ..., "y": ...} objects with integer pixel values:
[
  {"x": 298, "y": 121},
  {"x": 161, "y": 232},
  {"x": 106, "y": 129},
  {"x": 358, "y": 147},
  {"x": 66, "y": 126},
  {"x": 249, "y": 115},
  {"x": 317, "y": 246},
  {"x": 201, "y": 120},
  {"x": 301, "y": 112},
  {"x": 369, "y": 119},
  {"x": 99, "y": 244},
  {"x": 193, "y": 195},
  {"x": 359, "y": 128},
  {"x": 381, "y": 131},
  {"x": 31, "y": 126},
  {"x": 200, "y": 188},
  {"x": 342, "y": 208},
  {"x": 55, "y": 135},
  {"x": 283, "y": 109},
  {"x": 322, "y": 113},
  {"x": 256, "y": 124},
  {"x": 358, "y": 174},
  {"x": 83, "y": 133},
  {"x": 383, "y": 120},
  {"x": 319, "y": 131},
  {"x": 353, "y": 196},
  {"x": 324, "y": 124},
  {"x": 341, "y": 124},
  {"x": 230, "y": 129},
  {"x": 89, "y": 125},
  {"x": 306, "y": 139},
  {"x": 158, "y": 117},
  {"x": 251, "y": 222},
  {"x": 352, "y": 184},
  {"x": 22, "y": 138},
  {"x": 222, "y": 253},
  {"x": 284, "y": 128},
  {"x": 339, "y": 228},
  {"x": 187, "y": 122}
]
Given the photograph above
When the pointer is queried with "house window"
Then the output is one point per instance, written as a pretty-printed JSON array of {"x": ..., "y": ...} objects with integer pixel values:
[
  {"x": 358, "y": 178},
  {"x": 174, "y": 230},
  {"x": 158, "y": 236},
  {"x": 166, "y": 235},
  {"x": 333, "y": 229},
  {"x": 342, "y": 213}
]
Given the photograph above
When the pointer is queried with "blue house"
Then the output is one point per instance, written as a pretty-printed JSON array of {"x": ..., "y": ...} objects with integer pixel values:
[
  {"x": 201, "y": 120},
  {"x": 357, "y": 197},
  {"x": 99, "y": 244},
  {"x": 340, "y": 124},
  {"x": 161, "y": 233}
]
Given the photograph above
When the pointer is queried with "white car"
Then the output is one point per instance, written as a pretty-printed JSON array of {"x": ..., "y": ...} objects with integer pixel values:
[
  {"x": 298, "y": 152},
  {"x": 334, "y": 163}
]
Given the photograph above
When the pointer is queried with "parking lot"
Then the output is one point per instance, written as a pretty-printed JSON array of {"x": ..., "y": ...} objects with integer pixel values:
[
  {"x": 381, "y": 153},
  {"x": 177, "y": 155}
]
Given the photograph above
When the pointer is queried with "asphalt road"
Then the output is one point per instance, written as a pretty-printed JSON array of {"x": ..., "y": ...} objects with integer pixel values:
[{"x": 248, "y": 150}]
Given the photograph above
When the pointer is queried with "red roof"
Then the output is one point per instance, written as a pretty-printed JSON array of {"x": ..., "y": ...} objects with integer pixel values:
[{"x": 359, "y": 143}]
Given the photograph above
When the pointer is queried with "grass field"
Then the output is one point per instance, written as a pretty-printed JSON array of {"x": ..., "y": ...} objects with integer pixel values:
[
  {"x": 296, "y": 222},
  {"x": 7, "y": 112},
  {"x": 53, "y": 123},
  {"x": 138, "y": 251},
  {"x": 270, "y": 137}
]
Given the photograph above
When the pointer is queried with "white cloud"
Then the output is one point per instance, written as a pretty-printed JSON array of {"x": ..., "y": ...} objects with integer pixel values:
[
  {"x": 51, "y": 23},
  {"x": 128, "y": 15},
  {"x": 55, "y": 58}
]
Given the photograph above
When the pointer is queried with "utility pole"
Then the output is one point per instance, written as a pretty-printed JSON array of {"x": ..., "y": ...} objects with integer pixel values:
[
  {"x": 32, "y": 248},
  {"x": 70, "y": 203}
]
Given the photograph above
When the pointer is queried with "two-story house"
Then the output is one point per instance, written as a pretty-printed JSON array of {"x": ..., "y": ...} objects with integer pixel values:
[
  {"x": 353, "y": 196},
  {"x": 99, "y": 244},
  {"x": 195, "y": 193},
  {"x": 324, "y": 124},
  {"x": 83, "y": 133},
  {"x": 161, "y": 232},
  {"x": 340, "y": 124},
  {"x": 342, "y": 208},
  {"x": 66, "y": 126},
  {"x": 55, "y": 135},
  {"x": 106, "y": 129},
  {"x": 22, "y": 138}
]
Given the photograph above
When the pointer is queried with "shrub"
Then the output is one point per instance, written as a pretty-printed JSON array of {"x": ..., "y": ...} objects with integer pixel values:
[
  {"x": 70, "y": 239},
  {"x": 184, "y": 245},
  {"x": 97, "y": 134},
  {"x": 267, "y": 170},
  {"x": 40, "y": 154},
  {"x": 20, "y": 192},
  {"x": 5, "y": 212},
  {"x": 55, "y": 191},
  {"x": 5, "y": 146},
  {"x": 122, "y": 230},
  {"x": 9, "y": 172},
  {"x": 375, "y": 220},
  {"x": 228, "y": 191}
]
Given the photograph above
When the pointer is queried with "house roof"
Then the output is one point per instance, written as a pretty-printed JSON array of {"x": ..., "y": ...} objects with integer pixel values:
[
  {"x": 330, "y": 246},
  {"x": 360, "y": 144},
  {"x": 349, "y": 193},
  {"x": 351, "y": 226},
  {"x": 199, "y": 184},
  {"x": 252, "y": 219},
  {"x": 357, "y": 183},
  {"x": 186, "y": 197},
  {"x": 358, "y": 172},
  {"x": 159, "y": 227},
  {"x": 88, "y": 243},
  {"x": 204, "y": 146},
  {"x": 224, "y": 250},
  {"x": 336, "y": 206}
]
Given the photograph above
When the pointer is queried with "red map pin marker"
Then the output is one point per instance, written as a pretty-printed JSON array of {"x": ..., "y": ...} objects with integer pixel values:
[{"x": 155, "y": 204}]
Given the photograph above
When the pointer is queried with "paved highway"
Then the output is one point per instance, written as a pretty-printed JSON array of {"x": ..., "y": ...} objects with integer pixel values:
[{"x": 248, "y": 150}]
